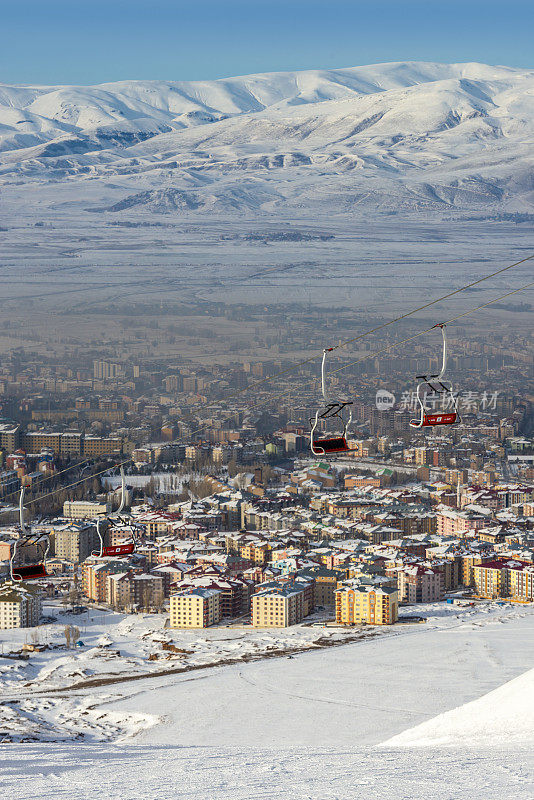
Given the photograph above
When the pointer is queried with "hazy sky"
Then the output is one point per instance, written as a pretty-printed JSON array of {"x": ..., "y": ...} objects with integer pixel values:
[{"x": 90, "y": 41}]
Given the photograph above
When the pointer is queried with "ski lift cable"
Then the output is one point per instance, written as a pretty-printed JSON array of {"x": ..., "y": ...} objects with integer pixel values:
[
  {"x": 381, "y": 327},
  {"x": 339, "y": 369},
  {"x": 57, "y": 474},
  {"x": 386, "y": 349},
  {"x": 428, "y": 330}
]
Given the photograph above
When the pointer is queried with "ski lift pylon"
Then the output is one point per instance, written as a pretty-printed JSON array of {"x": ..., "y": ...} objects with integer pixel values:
[
  {"x": 333, "y": 409},
  {"x": 436, "y": 385}
]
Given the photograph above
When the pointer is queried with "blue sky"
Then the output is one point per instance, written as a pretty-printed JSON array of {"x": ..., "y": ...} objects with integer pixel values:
[{"x": 91, "y": 41}]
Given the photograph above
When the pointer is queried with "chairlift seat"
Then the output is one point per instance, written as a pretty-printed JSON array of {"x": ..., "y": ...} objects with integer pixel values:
[
  {"x": 29, "y": 572},
  {"x": 334, "y": 445},
  {"x": 430, "y": 420},
  {"x": 119, "y": 550}
]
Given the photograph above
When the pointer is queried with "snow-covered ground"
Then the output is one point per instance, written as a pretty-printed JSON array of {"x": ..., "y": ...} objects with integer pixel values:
[
  {"x": 309, "y": 726},
  {"x": 337, "y": 722},
  {"x": 222, "y": 772},
  {"x": 117, "y": 649},
  {"x": 504, "y": 715}
]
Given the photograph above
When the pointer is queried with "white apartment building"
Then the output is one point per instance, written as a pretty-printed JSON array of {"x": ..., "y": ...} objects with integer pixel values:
[
  {"x": 20, "y": 605},
  {"x": 85, "y": 509}
]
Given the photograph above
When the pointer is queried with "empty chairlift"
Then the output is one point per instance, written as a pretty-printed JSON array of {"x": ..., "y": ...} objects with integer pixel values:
[
  {"x": 333, "y": 409},
  {"x": 436, "y": 386},
  {"x": 30, "y": 551},
  {"x": 125, "y": 549}
]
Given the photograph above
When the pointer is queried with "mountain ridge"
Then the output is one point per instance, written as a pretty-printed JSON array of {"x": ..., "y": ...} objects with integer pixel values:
[{"x": 398, "y": 135}]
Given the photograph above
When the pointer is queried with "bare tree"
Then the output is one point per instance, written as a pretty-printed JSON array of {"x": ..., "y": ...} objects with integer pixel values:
[
  {"x": 74, "y": 593},
  {"x": 35, "y": 636},
  {"x": 72, "y": 634}
]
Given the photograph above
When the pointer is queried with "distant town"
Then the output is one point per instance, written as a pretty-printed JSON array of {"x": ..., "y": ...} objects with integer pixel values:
[{"x": 232, "y": 518}]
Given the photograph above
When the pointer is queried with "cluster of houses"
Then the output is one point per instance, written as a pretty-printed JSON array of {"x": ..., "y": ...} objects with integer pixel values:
[{"x": 355, "y": 550}]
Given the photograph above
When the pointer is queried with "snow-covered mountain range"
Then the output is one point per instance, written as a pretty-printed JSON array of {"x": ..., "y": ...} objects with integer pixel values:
[{"x": 389, "y": 137}]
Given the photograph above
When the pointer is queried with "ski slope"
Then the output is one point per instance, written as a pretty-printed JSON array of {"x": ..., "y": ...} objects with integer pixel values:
[
  {"x": 502, "y": 716},
  {"x": 335, "y": 723}
]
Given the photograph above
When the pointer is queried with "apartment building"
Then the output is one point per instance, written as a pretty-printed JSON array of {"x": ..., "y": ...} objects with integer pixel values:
[
  {"x": 420, "y": 584},
  {"x": 366, "y": 604},
  {"x": 521, "y": 582},
  {"x": 255, "y": 552},
  {"x": 468, "y": 563},
  {"x": 354, "y": 481},
  {"x": 235, "y": 593},
  {"x": 279, "y": 606},
  {"x": 119, "y": 590},
  {"x": 147, "y": 591},
  {"x": 20, "y": 605},
  {"x": 95, "y": 574},
  {"x": 155, "y": 523},
  {"x": 9, "y": 436},
  {"x": 195, "y": 608},
  {"x": 490, "y": 579},
  {"x": 325, "y": 582},
  {"x": 69, "y": 442},
  {"x": 61, "y": 443},
  {"x": 76, "y": 541},
  {"x": 9, "y": 482},
  {"x": 94, "y": 446},
  {"x": 251, "y": 547},
  {"x": 504, "y": 578},
  {"x": 456, "y": 523},
  {"x": 106, "y": 370},
  {"x": 85, "y": 509}
]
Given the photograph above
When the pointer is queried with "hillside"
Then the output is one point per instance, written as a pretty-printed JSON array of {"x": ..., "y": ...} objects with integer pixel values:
[
  {"x": 501, "y": 717},
  {"x": 400, "y": 136}
]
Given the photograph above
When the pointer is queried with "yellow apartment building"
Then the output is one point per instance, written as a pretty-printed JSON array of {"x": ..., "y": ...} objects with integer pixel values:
[
  {"x": 85, "y": 509},
  {"x": 257, "y": 553},
  {"x": 366, "y": 604},
  {"x": 195, "y": 608},
  {"x": 468, "y": 563},
  {"x": 490, "y": 579},
  {"x": 100, "y": 446},
  {"x": 521, "y": 582}
]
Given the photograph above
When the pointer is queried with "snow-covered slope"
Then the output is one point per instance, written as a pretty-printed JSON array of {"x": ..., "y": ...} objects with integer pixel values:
[
  {"x": 502, "y": 717},
  {"x": 400, "y": 135},
  {"x": 276, "y": 728}
]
